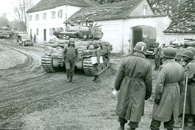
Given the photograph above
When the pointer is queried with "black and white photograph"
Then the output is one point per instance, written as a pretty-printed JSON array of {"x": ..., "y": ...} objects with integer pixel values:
[{"x": 97, "y": 65}]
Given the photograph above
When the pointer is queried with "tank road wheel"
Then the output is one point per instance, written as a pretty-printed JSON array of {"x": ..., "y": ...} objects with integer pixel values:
[
  {"x": 90, "y": 70},
  {"x": 47, "y": 64}
]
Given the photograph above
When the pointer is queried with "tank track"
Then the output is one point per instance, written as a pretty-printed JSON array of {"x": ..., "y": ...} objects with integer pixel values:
[
  {"x": 46, "y": 63},
  {"x": 89, "y": 70}
]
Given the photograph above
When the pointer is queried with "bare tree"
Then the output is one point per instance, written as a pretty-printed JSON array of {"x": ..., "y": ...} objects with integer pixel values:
[{"x": 20, "y": 9}]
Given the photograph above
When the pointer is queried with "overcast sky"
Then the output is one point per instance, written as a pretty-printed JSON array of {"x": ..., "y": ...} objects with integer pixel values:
[{"x": 6, "y": 6}]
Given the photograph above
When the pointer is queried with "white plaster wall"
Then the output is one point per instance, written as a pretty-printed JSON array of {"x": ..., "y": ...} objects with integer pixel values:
[
  {"x": 113, "y": 31},
  {"x": 139, "y": 11},
  {"x": 160, "y": 23},
  {"x": 119, "y": 32},
  {"x": 48, "y": 23}
]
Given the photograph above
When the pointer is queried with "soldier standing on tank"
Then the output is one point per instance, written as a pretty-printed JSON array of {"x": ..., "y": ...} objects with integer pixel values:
[
  {"x": 188, "y": 57},
  {"x": 134, "y": 83},
  {"x": 167, "y": 92},
  {"x": 69, "y": 55}
]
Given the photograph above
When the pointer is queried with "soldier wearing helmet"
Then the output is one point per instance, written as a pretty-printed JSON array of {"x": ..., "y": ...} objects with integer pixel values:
[
  {"x": 191, "y": 49},
  {"x": 188, "y": 57},
  {"x": 167, "y": 92},
  {"x": 69, "y": 56},
  {"x": 134, "y": 80}
]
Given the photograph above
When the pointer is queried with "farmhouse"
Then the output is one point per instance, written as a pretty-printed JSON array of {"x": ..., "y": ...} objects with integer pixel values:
[
  {"x": 123, "y": 23},
  {"x": 49, "y": 15}
]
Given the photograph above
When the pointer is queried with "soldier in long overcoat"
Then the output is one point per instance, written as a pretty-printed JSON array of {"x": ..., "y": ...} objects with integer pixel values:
[
  {"x": 134, "y": 83},
  {"x": 167, "y": 92},
  {"x": 188, "y": 57}
]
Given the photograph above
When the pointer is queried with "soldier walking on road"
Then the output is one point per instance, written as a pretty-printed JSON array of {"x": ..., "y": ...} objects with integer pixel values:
[
  {"x": 188, "y": 57},
  {"x": 134, "y": 83},
  {"x": 69, "y": 55},
  {"x": 167, "y": 93}
]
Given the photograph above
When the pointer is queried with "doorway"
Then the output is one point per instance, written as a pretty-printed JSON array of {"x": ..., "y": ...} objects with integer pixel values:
[
  {"x": 44, "y": 34},
  {"x": 137, "y": 35}
]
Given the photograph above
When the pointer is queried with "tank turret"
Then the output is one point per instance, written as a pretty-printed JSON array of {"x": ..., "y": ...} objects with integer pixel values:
[{"x": 87, "y": 31}]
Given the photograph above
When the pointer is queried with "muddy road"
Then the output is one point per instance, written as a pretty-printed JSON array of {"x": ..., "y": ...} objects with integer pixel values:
[
  {"x": 31, "y": 99},
  {"x": 26, "y": 88}
]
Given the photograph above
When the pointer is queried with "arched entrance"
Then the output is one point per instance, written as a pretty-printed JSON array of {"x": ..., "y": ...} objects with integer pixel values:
[{"x": 143, "y": 33}]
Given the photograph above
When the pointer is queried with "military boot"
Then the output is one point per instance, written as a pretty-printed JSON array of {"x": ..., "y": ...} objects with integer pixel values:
[
  {"x": 122, "y": 127},
  {"x": 132, "y": 128},
  {"x": 71, "y": 78},
  {"x": 68, "y": 75}
]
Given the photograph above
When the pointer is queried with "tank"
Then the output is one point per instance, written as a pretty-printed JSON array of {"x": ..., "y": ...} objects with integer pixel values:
[
  {"x": 84, "y": 36},
  {"x": 6, "y": 32}
]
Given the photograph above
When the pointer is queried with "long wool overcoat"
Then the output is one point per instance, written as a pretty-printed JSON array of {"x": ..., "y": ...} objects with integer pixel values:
[
  {"x": 190, "y": 98},
  {"x": 134, "y": 82},
  {"x": 169, "y": 82}
]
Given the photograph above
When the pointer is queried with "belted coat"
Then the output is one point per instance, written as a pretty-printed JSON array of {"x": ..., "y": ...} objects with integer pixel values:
[
  {"x": 134, "y": 82},
  {"x": 190, "y": 98},
  {"x": 167, "y": 90}
]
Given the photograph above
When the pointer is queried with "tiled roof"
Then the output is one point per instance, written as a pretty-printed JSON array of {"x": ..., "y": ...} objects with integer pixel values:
[
  {"x": 183, "y": 21},
  {"x": 118, "y": 10},
  {"x": 49, "y": 4}
]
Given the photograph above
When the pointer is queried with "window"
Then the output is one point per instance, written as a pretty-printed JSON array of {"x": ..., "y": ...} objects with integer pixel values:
[
  {"x": 44, "y": 16},
  {"x": 30, "y": 18},
  {"x": 60, "y": 13},
  {"x": 53, "y": 14},
  {"x": 37, "y": 31},
  {"x": 37, "y": 17},
  {"x": 144, "y": 10}
]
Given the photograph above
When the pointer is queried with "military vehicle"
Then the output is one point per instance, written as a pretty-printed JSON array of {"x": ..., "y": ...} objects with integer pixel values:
[
  {"x": 84, "y": 37},
  {"x": 150, "y": 51},
  {"x": 24, "y": 39},
  {"x": 5, "y": 32}
]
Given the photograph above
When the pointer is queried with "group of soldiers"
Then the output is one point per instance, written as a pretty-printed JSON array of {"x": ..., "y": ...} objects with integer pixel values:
[
  {"x": 70, "y": 56},
  {"x": 134, "y": 85}
]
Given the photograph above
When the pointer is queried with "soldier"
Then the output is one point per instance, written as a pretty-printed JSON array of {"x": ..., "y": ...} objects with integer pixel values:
[
  {"x": 191, "y": 49},
  {"x": 134, "y": 80},
  {"x": 178, "y": 58},
  {"x": 69, "y": 55},
  {"x": 157, "y": 52},
  {"x": 161, "y": 55},
  {"x": 167, "y": 93},
  {"x": 96, "y": 53},
  {"x": 188, "y": 57},
  {"x": 35, "y": 38}
]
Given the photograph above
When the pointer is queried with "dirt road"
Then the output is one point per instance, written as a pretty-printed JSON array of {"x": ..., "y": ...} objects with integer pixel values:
[{"x": 31, "y": 99}]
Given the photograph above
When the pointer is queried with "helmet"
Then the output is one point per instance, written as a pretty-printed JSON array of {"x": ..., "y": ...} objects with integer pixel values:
[
  {"x": 71, "y": 40},
  {"x": 178, "y": 56},
  {"x": 188, "y": 54},
  {"x": 67, "y": 37},
  {"x": 85, "y": 37},
  {"x": 140, "y": 47},
  {"x": 191, "y": 49},
  {"x": 169, "y": 52}
]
